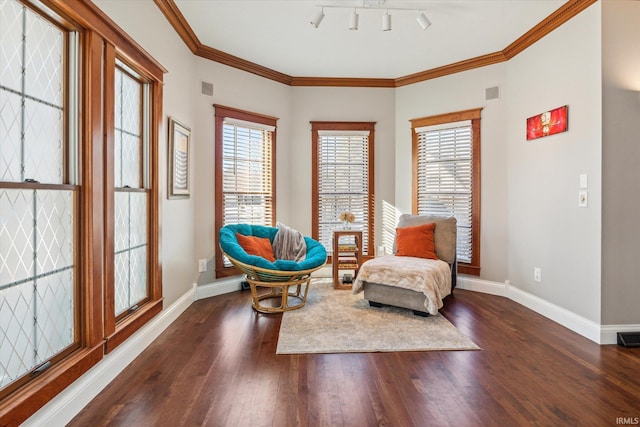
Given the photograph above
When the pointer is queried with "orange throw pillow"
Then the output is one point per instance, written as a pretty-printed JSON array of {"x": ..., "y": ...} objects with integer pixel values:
[
  {"x": 259, "y": 246},
  {"x": 416, "y": 241}
]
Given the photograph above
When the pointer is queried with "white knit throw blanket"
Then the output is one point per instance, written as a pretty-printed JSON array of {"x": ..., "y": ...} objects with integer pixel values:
[
  {"x": 429, "y": 276},
  {"x": 289, "y": 244}
]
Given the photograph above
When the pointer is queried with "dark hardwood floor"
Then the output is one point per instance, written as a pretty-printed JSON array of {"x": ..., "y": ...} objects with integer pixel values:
[{"x": 216, "y": 366}]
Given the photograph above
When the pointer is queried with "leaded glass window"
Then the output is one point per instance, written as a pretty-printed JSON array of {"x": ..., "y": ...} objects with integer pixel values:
[
  {"x": 131, "y": 196},
  {"x": 37, "y": 196},
  {"x": 55, "y": 278}
]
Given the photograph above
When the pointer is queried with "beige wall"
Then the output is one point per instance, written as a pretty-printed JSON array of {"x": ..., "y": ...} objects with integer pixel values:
[
  {"x": 547, "y": 229},
  {"x": 183, "y": 220},
  {"x": 340, "y": 104},
  {"x": 458, "y": 92},
  {"x": 237, "y": 89},
  {"x": 295, "y": 107},
  {"x": 530, "y": 216},
  {"x": 620, "y": 160}
]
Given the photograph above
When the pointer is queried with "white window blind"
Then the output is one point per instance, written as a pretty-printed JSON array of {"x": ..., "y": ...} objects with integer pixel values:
[
  {"x": 247, "y": 173},
  {"x": 343, "y": 182},
  {"x": 445, "y": 177}
]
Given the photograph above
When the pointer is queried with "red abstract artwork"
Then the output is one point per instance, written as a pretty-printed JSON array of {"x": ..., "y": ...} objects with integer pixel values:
[{"x": 547, "y": 123}]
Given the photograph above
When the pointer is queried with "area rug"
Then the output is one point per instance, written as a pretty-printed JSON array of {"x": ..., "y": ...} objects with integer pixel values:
[{"x": 335, "y": 321}]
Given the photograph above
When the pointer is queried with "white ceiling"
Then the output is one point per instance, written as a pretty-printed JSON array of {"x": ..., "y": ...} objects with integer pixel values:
[{"x": 277, "y": 33}]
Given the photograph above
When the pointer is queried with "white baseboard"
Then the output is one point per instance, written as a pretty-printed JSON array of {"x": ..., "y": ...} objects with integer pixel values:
[
  {"x": 219, "y": 287},
  {"x": 232, "y": 284},
  {"x": 608, "y": 333},
  {"x": 485, "y": 286},
  {"x": 66, "y": 405},
  {"x": 600, "y": 334},
  {"x": 562, "y": 316},
  {"x": 578, "y": 324},
  {"x": 325, "y": 272}
]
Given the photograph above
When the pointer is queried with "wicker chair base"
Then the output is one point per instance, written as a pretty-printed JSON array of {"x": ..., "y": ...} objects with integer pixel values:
[
  {"x": 292, "y": 295},
  {"x": 291, "y": 287}
]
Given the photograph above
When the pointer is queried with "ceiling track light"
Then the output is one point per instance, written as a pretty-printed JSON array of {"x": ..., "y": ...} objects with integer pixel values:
[
  {"x": 353, "y": 20},
  {"x": 318, "y": 18},
  {"x": 422, "y": 19}
]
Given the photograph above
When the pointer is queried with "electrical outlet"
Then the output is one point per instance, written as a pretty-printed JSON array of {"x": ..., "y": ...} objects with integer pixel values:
[
  {"x": 583, "y": 198},
  {"x": 202, "y": 266},
  {"x": 537, "y": 274}
]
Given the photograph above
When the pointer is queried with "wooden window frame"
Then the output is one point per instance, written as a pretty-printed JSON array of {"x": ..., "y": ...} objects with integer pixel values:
[
  {"x": 472, "y": 268},
  {"x": 222, "y": 112},
  {"x": 74, "y": 349},
  {"x": 97, "y": 34},
  {"x": 315, "y": 203},
  {"x": 119, "y": 328}
]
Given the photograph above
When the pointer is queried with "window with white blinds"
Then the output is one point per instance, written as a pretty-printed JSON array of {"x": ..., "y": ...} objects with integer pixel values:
[
  {"x": 444, "y": 178},
  {"x": 247, "y": 176},
  {"x": 245, "y": 172},
  {"x": 344, "y": 182},
  {"x": 447, "y": 182}
]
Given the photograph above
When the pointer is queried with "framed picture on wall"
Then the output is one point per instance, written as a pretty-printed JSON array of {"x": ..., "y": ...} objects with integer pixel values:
[
  {"x": 548, "y": 123},
  {"x": 179, "y": 146}
]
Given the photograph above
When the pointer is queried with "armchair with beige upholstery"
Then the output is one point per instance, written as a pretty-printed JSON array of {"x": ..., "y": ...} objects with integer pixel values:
[{"x": 415, "y": 283}]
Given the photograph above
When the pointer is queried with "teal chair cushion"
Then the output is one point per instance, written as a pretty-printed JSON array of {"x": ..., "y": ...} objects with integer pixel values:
[{"x": 316, "y": 253}]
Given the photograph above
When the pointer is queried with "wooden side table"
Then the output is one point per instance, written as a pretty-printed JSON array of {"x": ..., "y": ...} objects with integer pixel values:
[{"x": 346, "y": 257}]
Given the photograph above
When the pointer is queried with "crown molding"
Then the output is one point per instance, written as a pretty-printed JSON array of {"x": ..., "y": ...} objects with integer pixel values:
[
  {"x": 550, "y": 23},
  {"x": 342, "y": 82},
  {"x": 456, "y": 67},
  {"x": 177, "y": 20},
  {"x": 563, "y": 14},
  {"x": 242, "y": 64},
  {"x": 179, "y": 23}
]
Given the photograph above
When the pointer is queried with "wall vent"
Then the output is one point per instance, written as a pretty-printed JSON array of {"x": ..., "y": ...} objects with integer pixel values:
[
  {"x": 492, "y": 93},
  {"x": 629, "y": 339},
  {"x": 207, "y": 88}
]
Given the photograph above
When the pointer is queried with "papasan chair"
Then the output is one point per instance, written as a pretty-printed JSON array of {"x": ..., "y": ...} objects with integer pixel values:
[{"x": 285, "y": 280}]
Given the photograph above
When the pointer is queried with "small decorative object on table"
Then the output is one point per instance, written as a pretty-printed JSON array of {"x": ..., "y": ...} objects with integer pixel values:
[{"x": 347, "y": 218}]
